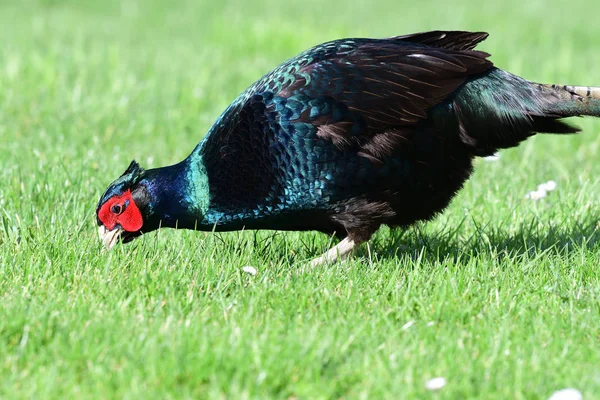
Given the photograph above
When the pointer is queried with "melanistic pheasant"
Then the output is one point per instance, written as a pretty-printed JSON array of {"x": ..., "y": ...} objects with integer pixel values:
[{"x": 343, "y": 138}]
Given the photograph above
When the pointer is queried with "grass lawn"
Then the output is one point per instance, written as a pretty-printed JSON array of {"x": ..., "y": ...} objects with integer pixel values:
[{"x": 500, "y": 295}]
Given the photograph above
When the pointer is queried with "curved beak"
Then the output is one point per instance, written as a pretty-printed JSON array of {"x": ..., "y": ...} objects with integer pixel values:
[{"x": 109, "y": 238}]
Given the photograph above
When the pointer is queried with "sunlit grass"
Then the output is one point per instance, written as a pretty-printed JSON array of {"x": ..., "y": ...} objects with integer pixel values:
[{"x": 500, "y": 295}]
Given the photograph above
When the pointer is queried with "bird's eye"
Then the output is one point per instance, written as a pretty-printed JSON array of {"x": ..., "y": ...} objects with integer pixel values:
[{"x": 116, "y": 209}]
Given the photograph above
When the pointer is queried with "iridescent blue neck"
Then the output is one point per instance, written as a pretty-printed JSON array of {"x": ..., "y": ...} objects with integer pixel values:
[
  {"x": 178, "y": 195},
  {"x": 180, "y": 198}
]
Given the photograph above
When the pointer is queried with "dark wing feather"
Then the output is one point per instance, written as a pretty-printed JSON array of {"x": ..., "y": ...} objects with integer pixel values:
[
  {"x": 451, "y": 40},
  {"x": 365, "y": 94},
  {"x": 379, "y": 87}
]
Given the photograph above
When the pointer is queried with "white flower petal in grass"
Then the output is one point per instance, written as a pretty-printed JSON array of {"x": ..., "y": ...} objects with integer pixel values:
[
  {"x": 435, "y": 383},
  {"x": 536, "y": 194},
  {"x": 542, "y": 190},
  {"x": 567, "y": 394},
  {"x": 547, "y": 186},
  {"x": 407, "y": 325},
  {"x": 250, "y": 270},
  {"x": 493, "y": 157}
]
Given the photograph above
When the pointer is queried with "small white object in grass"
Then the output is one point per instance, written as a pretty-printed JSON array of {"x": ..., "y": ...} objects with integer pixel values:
[
  {"x": 435, "y": 383},
  {"x": 567, "y": 394},
  {"x": 249, "y": 270},
  {"x": 536, "y": 194},
  {"x": 407, "y": 325},
  {"x": 493, "y": 157},
  {"x": 547, "y": 186},
  {"x": 542, "y": 190}
]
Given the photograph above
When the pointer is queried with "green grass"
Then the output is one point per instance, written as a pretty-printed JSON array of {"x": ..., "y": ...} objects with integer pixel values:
[{"x": 499, "y": 295}]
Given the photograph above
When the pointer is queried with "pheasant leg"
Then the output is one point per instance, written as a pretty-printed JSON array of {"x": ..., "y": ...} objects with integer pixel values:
[{"x": 339, "y": 252}]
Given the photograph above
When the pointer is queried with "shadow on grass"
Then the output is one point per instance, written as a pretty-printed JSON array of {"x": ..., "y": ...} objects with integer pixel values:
[
  {"x": 531, "y": 238},
  {"x": 451, "y": 243}
]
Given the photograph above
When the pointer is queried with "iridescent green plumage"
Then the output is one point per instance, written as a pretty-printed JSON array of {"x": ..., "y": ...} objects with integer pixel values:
[{"x": 353, "y": 134}]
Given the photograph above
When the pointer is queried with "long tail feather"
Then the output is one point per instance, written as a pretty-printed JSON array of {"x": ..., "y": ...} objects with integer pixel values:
[
  {"x": 498, "y": 110},
  {"x": 571, "y": 101}
]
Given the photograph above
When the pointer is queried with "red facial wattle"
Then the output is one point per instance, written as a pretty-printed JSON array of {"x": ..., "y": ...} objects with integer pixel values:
[{"x": 121, "y": 210}]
